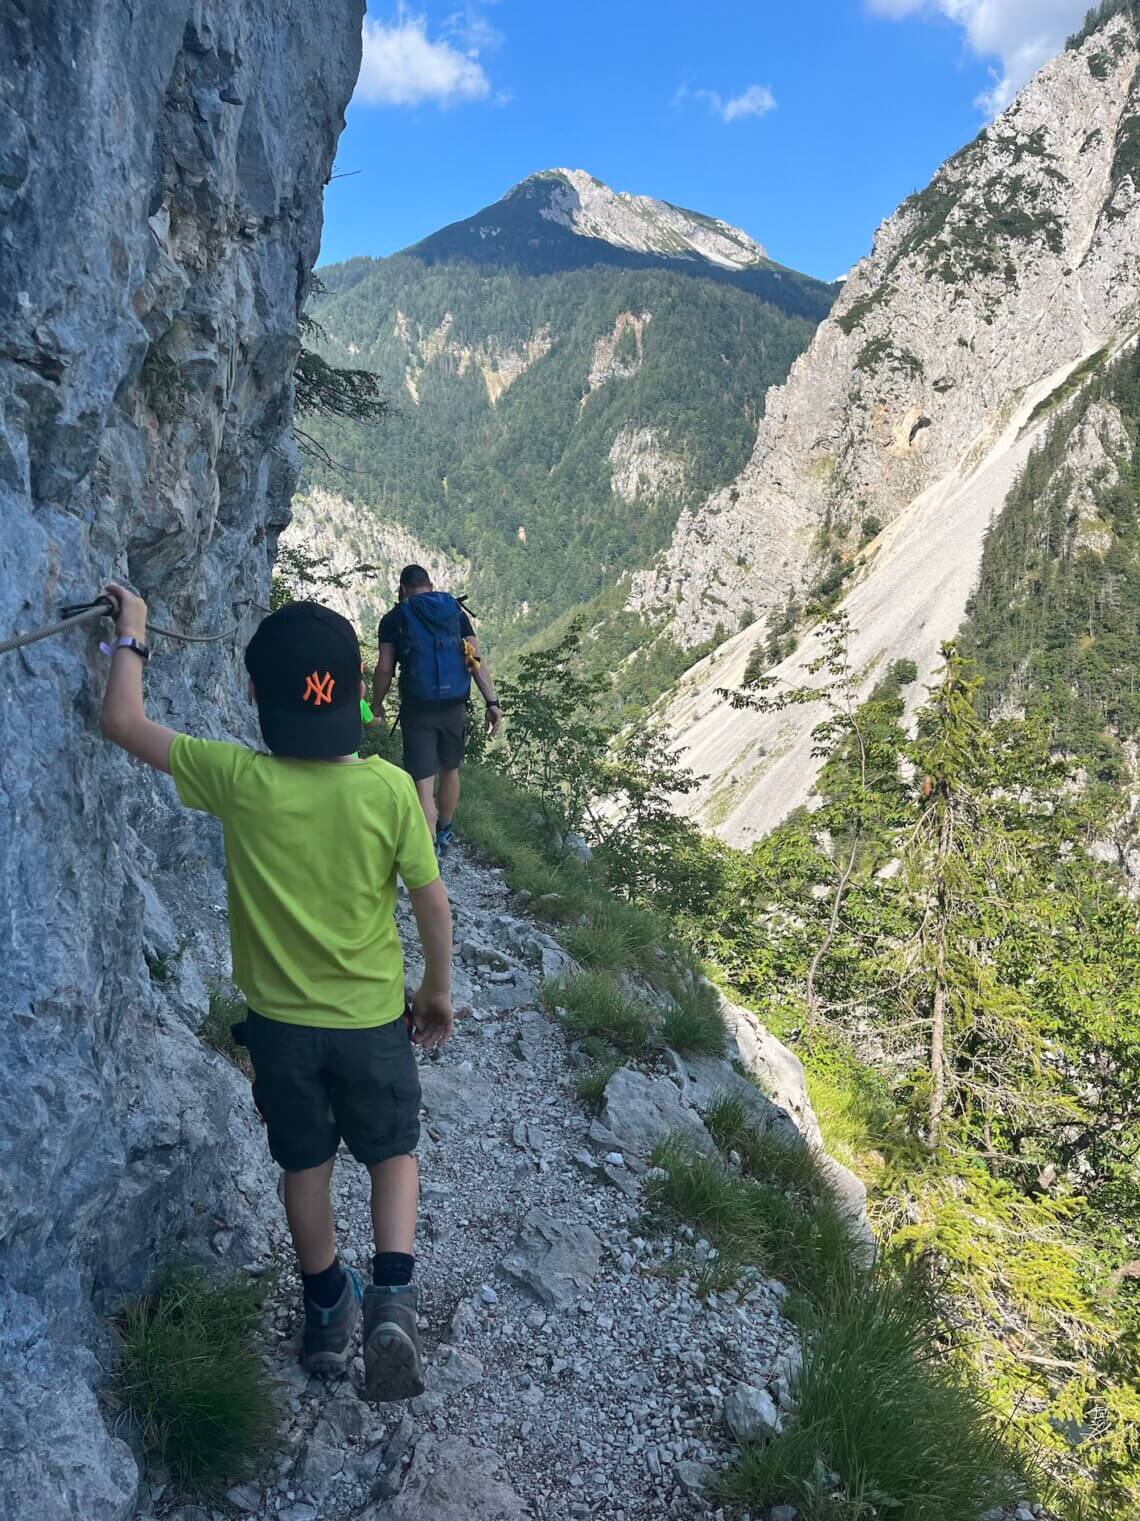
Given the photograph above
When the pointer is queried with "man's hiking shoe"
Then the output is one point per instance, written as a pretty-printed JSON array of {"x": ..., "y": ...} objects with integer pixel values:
[
  {"x": 393, "y": 1357},
  {"x": 329, "y": 1334},
  {"x": 444, "y": 839}
]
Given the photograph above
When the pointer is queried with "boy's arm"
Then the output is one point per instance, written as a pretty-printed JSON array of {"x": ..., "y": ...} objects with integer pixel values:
[
  {"x": 124, "y": 719},
  {"x": 382, "y": 679},
  {"x": 431, "y": 1007},
  {"x": 482, "y": 678}
]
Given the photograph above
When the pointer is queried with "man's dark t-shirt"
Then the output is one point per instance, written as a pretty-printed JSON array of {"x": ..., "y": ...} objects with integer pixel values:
[{"x": 390, "y": 634}]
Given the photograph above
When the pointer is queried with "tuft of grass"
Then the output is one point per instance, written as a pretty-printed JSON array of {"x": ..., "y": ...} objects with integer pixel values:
[
  {"x": 594, "y": 1004},
  {"x": 602, "y": 941},
  {"x": 226, "y": 1009},
  {"x": 784, "y": 1219},
  {"x": 161, "y": 966},
  {"x": 591, "y": 1086},
  {"x": 193, "y": 1379},
  {"x": 770, "y": 1156},
  {"x": 694, "y": 1026},
  {"x": 711, "y": 1275},
  {"x": 727, "y": 1121},
  {"x": 909, "y": 1431}
]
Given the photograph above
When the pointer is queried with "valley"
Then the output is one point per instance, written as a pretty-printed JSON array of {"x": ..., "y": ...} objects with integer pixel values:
[
  {"x": 902, "y": 617},
  {"x": 558, "y": 397},
  {"x": 784, "y": 1163}
]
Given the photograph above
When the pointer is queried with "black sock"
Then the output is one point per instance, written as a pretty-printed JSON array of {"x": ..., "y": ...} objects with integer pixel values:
[
  {"x": 392, "y": 1270},
  {"x": 324, "y": 1289}
]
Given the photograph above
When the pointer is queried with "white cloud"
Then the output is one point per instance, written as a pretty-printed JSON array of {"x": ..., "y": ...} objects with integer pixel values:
[
  {"x": 756, "y": 100},
  {"x": 1020, "y": 34},
  {"x": 402, "y": 66}
]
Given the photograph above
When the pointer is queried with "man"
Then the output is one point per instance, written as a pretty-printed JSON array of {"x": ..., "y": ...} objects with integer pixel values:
[
  {"x": 431, "y": 638},
  {"x": 314, "y": 839}
]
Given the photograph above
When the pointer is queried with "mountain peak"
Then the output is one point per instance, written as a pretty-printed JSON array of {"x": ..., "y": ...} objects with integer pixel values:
[
  {"x": 563, "y": 219},
  {"x": 585, "y": 205}
]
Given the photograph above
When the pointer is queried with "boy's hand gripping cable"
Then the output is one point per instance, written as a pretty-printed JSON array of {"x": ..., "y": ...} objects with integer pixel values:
[{"x": 79, "y": 613}]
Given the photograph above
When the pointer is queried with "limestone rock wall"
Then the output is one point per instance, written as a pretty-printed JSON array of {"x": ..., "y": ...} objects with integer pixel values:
[
  {"x": 161, "y": 169},
  {"x": 1020, "y": 257}
]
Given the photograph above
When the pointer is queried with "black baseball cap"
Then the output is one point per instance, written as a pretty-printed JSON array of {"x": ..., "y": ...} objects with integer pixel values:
[{"x": 304, "y": 661}]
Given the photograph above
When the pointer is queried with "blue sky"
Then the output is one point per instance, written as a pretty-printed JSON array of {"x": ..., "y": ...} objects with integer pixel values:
[{"x": 803, "y": 123}]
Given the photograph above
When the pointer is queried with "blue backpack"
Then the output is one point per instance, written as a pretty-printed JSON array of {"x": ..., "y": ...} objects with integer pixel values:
[{"x": 432, "y": 667}]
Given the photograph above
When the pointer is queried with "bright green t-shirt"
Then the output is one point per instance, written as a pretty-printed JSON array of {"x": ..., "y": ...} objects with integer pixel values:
[{"x": 312, "y": 853}]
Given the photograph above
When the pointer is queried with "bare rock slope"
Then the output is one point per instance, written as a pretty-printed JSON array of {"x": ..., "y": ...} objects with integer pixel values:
[
  {"x": 340, "y": 535},
  {"x": 161, "y": 169},
  {"x": 1018, "y": 263}
]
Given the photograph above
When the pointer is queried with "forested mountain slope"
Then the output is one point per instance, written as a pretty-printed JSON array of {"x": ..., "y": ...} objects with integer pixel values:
[
  {"x": 1055, "y": 621},
  {"x": 562, "y": 389}
]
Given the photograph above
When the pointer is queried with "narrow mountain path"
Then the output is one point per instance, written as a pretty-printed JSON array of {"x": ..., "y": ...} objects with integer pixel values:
[{"x": 582, "y": 1379}]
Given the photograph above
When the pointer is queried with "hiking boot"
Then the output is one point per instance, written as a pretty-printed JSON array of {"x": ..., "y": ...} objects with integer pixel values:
[
  {"x": 393, "y": 1357},
  {"x": 444, "y": 839},
  {"x": 329, "y": 1334}
]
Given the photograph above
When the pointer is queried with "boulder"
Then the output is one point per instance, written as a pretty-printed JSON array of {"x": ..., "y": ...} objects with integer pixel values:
[
  {"x": 451, "y": 1479},
  {"x": 750, "y": 1414},
  {"x": 638, "y": 1111},
  {"x": 555, "y": 1259},
  {"x": 778, "y": 1071}
]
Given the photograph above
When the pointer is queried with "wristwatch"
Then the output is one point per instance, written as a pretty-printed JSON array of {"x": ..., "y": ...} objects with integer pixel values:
[
  {"x": 126, "y": 642},
  {"x": 495, "y": 704}
]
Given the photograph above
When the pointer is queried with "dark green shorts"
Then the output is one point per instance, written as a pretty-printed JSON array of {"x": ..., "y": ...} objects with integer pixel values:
[
  {"x": 434, "y": 739},
  {"x": 316, "y": 1087}
]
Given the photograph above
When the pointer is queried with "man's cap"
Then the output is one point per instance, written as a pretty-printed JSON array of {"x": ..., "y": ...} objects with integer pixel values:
[{"x": 304, "y": 661}]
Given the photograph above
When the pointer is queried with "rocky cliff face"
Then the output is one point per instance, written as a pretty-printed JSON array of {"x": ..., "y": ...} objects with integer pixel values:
[
  {"x": 160, "y": 183},
  {"x": 1015, "y": 270},
  {"x": 1021, "y": 257},
  {"x": 332, "y": 529},
  {"x": 583, "y": 204}
]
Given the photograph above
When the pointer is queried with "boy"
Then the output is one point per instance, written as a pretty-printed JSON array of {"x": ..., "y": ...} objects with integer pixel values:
[{"x": 314, "y": 838}]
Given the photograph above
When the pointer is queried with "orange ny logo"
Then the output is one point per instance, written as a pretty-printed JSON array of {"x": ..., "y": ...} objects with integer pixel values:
[{"x": 318, "y": 689}]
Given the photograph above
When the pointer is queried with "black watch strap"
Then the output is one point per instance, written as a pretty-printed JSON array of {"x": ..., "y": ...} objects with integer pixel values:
[{"x": 126, "y": 642}]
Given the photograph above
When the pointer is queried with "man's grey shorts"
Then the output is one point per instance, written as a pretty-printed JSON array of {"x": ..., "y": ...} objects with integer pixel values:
[{"x": 315, "y": 1087}]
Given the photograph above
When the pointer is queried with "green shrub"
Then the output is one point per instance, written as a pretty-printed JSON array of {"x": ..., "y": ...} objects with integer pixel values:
[
  {"x": 193, "y": 1379},
  {"x": 498, "y": 821},
  {"x": 695, "y": 1025},
  {"x": 594, "y": 1004},
  {"x": 226, "y": 1009},
  {"x": 907, "y": 1429}
]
